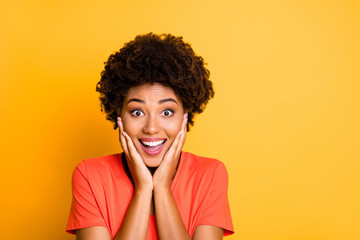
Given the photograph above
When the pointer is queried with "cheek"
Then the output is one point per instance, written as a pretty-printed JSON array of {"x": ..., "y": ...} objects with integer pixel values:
[
  {"x": 130, "y": 127},
  {"x": 173, "y": 128}
]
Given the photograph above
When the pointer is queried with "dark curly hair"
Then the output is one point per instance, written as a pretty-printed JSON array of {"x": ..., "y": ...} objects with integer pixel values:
[{"x": 153, "y": 58}]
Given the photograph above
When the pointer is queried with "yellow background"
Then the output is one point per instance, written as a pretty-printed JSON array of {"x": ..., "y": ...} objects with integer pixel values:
[{"x": 285, "y": 118}]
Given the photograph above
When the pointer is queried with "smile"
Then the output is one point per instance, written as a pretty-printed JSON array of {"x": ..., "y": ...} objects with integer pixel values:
[{"x": 152, "y": 146}]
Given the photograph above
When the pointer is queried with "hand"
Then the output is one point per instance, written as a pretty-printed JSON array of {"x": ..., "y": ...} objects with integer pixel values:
[
  {"x": 140, "y": 173},
  {"x": 165, "y": 172}
]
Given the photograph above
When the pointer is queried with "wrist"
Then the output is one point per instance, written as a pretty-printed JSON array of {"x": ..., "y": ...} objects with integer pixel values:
[
  {"x": 143, "y": 189},
  {"x": 162, "y": 189},
  {"x": 163, "y": 183}
]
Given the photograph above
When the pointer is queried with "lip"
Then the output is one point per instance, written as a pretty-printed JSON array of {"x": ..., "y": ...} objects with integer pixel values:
[
  {"x": 152, "y": 151},
  {"x": 151, "y": 139}
]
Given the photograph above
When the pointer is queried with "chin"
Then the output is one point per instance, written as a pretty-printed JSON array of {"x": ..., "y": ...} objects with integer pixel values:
[{"x": 152, "y": 161}]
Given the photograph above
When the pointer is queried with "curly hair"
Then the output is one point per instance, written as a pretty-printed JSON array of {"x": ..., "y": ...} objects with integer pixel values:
[{"x": 153, "y": 58}]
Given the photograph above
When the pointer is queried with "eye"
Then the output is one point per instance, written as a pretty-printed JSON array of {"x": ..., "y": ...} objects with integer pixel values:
[
  {"x": 137, "y": 113},
  {"x": 167, "y": 112}
]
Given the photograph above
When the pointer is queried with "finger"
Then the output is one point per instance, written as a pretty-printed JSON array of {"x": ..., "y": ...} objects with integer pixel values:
[
  {"x": 184, "y": 123},
  {"x": 170, "y": 154},
  {"x": 120, "y": 124},
  {"x": 173, "y": 151},
  {"x": 180, "y": 138},
  {"x": 121, "y": 128},
  {"x": 128, "y": 152},
  {"x": 183, "y": 135},
  {"x": 181, "y": 143},
  {"x": 132, "y": 150},
  {"x": 124, "y": 144},
  {"x": 177, "y": 140},
  {"x": 122, "y": 137}
]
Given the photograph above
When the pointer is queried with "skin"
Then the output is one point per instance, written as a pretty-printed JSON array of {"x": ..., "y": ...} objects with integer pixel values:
[{"x": 145, "y": 114}]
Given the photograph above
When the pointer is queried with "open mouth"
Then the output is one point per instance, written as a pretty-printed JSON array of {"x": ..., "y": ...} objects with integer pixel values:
[
  {"x": 152, "y": 143},
  {"x": 152, "y": 146}
]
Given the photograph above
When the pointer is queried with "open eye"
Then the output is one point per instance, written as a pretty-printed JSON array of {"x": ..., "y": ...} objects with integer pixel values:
[
  {"x": 167, "y": 113},
  {"x": 137, "y": 113}
]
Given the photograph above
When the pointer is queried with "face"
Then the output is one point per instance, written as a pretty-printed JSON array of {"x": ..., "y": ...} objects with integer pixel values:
[{"x": 152, "y": 116}]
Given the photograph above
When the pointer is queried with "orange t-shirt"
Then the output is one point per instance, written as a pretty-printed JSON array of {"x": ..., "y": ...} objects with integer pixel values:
[{"x": 102, "y": 192}]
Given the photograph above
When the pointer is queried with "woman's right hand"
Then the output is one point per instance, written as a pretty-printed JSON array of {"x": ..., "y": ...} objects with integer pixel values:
[{"x": 139, "y": 172}]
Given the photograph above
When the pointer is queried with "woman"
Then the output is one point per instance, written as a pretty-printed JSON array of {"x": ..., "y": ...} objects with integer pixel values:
[{"x": 151, "y": 89}]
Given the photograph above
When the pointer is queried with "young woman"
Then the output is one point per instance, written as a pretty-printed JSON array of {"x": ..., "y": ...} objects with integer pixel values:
[{"x": 151, "y": 89}]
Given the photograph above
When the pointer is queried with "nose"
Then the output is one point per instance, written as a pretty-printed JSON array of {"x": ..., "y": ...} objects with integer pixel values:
[{"x": 151, "y": 125}]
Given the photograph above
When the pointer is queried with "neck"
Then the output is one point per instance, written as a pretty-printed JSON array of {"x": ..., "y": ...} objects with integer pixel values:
[{"x": 152, "y": 170}]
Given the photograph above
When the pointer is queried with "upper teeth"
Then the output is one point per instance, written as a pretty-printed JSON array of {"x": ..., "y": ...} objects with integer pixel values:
[{"x": 153, "y": 144}]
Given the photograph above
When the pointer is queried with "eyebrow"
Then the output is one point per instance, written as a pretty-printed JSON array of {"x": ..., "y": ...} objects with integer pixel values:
[
  {"x": 135, "y": 100},
  {"x": 160, "y": 102},
  {"x": 167, "y": 100}
]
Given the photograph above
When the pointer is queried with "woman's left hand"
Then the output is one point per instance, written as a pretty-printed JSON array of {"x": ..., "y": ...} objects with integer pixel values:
[{"x": 163, "y": 175}]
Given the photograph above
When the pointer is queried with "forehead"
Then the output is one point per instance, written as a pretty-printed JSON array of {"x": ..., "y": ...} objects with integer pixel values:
[{"x": 151, "y": 92}]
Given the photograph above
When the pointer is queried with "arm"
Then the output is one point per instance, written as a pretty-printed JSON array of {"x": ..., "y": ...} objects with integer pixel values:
[
  {"x": 168, "y": 219},
  {"x": 170, "y": 225},
  {"x": 136, "y": 219},
  {"x": 134, "y": 225},
  {"x": 93, "y": 233},
  {"x": 208, "y": 232}
]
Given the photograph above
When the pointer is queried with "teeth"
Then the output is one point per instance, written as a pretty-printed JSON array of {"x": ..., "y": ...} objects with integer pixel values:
[{"x": 153, "y": 144}]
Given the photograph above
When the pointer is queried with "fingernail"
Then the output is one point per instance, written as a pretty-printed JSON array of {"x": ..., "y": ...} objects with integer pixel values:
[{"x": 186, "y": 115}]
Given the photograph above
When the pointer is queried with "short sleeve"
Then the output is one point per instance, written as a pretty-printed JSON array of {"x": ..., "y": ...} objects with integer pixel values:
[
  {"x": 84, "y": 210},
  {"x": 216, "y": 209}
]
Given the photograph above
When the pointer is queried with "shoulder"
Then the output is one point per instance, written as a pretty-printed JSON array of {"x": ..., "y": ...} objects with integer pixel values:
[
  {"x": 200, "y": 162},
  {"x": 204, "y": 166},
  {"x": 99, "y": 165}
]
